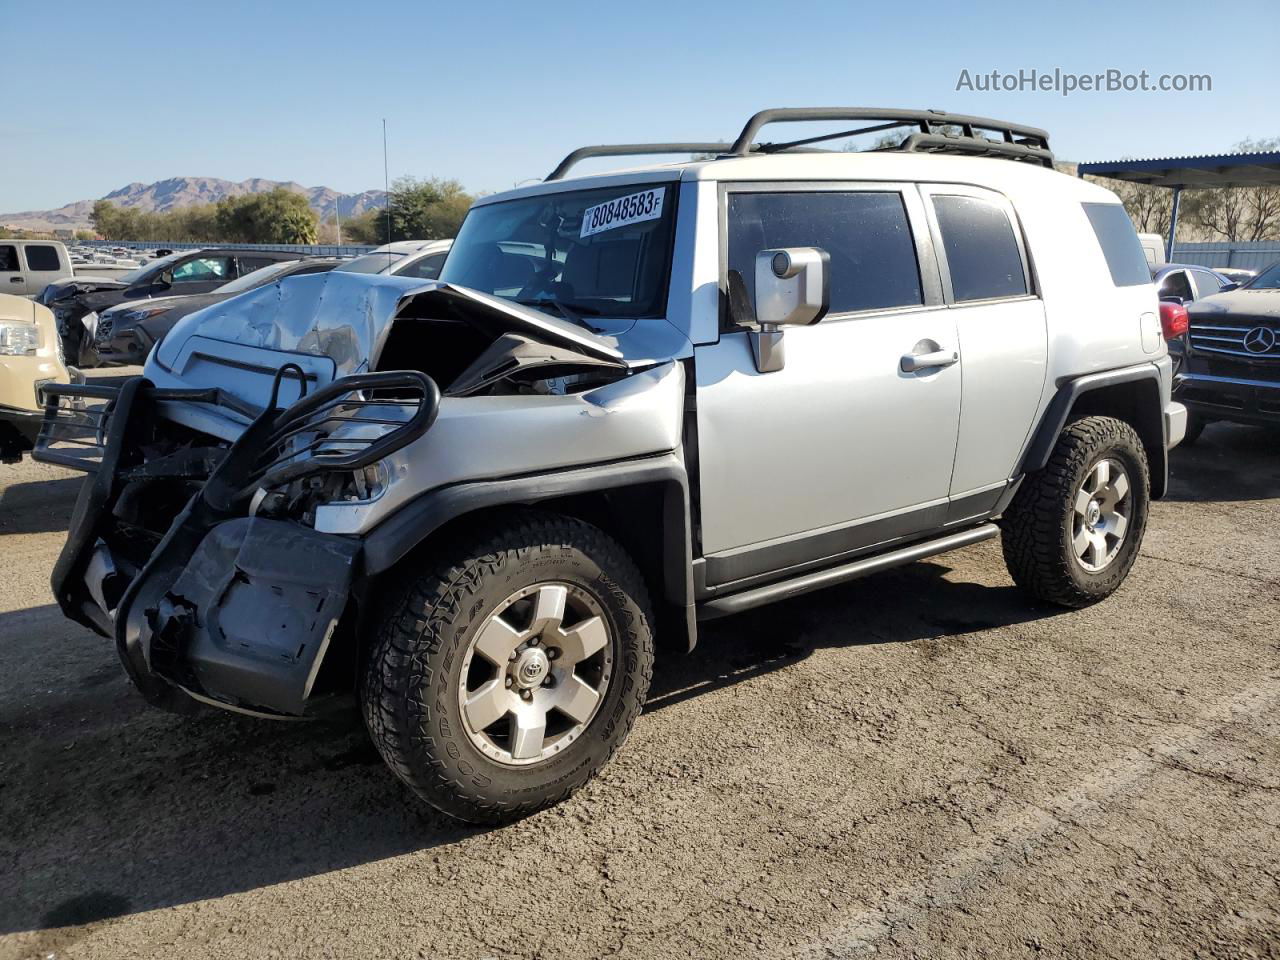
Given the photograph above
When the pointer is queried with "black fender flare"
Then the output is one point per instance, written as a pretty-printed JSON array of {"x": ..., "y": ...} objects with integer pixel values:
[
  {"x": 409, "y": 526},
  {"x": 1060, "y": 409}
]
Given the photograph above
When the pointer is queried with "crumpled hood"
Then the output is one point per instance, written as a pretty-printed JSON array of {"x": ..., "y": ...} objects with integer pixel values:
[
  {"x": 74, "y": 286},
  {"x": 347, "y": 316},
  {"x": 1244, "y": 304}
]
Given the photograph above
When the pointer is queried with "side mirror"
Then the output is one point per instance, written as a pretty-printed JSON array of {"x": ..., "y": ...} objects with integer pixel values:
[
  {"x": 792, "y": 288},
  {"x": 1233, "y": 285}
]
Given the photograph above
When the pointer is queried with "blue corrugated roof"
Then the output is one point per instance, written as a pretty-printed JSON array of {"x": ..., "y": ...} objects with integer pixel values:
[{"x": 1205, "y": 170}]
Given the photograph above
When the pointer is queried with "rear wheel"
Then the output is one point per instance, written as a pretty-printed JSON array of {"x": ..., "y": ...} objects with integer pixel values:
[
  {"x": 508, "y": 674},
  {"x": 1074, "y": 528}
]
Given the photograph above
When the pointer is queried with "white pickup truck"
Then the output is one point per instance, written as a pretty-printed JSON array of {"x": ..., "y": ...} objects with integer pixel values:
[{"x": 28, "y": 266}]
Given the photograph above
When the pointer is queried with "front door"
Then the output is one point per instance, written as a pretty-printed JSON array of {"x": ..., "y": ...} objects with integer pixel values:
[
  {"x": 200, "y": 275},
  {"x": 846, "y": 447}
]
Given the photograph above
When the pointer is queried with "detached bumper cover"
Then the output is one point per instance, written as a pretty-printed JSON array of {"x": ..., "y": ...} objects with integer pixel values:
[{"x": 228, "y": 608}]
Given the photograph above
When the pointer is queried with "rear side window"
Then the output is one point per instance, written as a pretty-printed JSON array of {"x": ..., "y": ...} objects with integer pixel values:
[
  {"x": 1119, "y": 242},
  {"x": 425, "y": 268},
  {"x": 865, "y": 234},
  {"x": 41, "y": 257},
  {"x": 9, "y": 258},
  {"x": 1176, "y": 284},
  {"x": 250, "y": 264},
  {"x": 981, "y": 247}
]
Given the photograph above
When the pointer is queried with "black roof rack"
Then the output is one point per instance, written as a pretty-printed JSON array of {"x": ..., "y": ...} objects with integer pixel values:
[
  {"x": 1017, "y": 141},
  {"x": 935, "y": 133},
  {"x": 630, "y": 150}
]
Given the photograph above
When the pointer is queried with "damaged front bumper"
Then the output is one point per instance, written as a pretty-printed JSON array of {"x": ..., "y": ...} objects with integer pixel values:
[{"x": 196, "y": 556}]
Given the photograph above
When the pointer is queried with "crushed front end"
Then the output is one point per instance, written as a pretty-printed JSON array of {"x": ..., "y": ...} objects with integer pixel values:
[{"x": 198, "y": 555}]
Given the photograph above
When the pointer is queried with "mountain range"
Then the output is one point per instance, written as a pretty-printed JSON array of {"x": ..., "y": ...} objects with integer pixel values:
[{"x": 177, "y": 192}]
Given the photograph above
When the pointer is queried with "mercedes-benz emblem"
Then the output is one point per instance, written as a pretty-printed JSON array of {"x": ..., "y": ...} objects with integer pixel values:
[{"x": 1260, "y": 340}]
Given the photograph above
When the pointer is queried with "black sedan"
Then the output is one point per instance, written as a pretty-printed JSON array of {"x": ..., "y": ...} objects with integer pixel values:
[
  {"x": 186, "y": 272},
  {"x": 125, "y": 333}
]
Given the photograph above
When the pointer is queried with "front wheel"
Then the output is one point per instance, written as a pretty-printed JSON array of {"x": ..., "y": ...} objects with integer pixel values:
[
  {"x": 1073, "y": 530},
  {"x": 510, "y": 671}
]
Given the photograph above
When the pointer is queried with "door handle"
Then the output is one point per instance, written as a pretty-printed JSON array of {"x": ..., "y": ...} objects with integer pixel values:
[
  {"x": 914, "y": 362},
  {"x": 15, "y": 279}
]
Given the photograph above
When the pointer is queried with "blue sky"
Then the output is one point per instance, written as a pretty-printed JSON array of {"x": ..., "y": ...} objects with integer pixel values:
[{"x": 105, "y": 93}]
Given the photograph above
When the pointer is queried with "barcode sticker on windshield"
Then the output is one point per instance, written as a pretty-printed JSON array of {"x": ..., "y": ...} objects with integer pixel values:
[{"x": 635, "y": 208}]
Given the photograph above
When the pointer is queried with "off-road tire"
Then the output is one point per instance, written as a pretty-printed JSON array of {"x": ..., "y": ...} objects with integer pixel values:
[
  {"x": 409, "y": 694},
  {"x": 1036, "y": 528}
]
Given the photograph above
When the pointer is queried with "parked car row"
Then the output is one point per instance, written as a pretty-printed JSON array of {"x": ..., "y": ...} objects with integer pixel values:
[
  {"x": 1226, "y": 346},
  {"x": 118, "y": 321},
  {"x": 125, "y": 333},
  {"x": 104, "y": 321}
]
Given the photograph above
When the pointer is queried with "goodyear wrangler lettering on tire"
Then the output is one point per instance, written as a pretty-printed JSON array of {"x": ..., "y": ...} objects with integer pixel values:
[{"x": 532, "y": 639}]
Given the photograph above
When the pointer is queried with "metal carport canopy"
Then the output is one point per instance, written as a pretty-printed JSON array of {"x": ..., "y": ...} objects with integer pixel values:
[{"x": 1189, "y": 173}]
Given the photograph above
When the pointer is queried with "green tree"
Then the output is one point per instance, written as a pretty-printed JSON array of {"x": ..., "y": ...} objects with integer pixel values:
[
  {"x": 280, "y": 216},
  {"x": 430, "y": 209}
]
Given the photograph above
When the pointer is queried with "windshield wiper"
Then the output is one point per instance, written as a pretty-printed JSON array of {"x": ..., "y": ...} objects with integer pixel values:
[{"x": 571, "y": 313}]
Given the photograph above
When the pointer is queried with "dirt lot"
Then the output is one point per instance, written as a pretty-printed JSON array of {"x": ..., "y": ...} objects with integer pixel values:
[{"x": 921, "y": 763}]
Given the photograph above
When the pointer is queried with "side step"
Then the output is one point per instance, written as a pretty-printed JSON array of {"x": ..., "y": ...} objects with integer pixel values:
[{"x": 769, "y": 593}]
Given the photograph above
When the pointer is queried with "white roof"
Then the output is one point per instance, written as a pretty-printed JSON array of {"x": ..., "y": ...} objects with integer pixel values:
[
  {"x": 413, "y": 246},
  {"x": 997, "y": 174}
]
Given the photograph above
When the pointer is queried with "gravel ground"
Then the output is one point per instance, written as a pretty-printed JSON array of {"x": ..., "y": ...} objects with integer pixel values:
[{"x": 922, "y": 763}]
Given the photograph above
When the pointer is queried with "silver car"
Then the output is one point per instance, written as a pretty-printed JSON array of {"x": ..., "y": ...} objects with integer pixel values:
[{"x": 629, "y": 403}]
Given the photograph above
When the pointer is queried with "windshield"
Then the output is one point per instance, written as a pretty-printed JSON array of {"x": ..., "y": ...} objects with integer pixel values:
[
  {"x": 261, "y": 276},
  {"x": 1268, "y": 279},
  {"x": 604, "y": 252},
  {"x": 371, "y": 263},
  {"x": 152, "y": 269}
]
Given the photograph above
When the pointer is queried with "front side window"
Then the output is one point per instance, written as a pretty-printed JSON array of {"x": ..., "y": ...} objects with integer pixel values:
[
  {"x": 424, "y": 268},
  {"x": 872, "y": 256},
  {"x": 9, "y": 258},
  {"x": 41, "y": 257},
  {"x": 1206, "y": 283},
  {"x": 981, "y": 249},
  {"x": 202, "y": 268},
  {"x": 603, "y": 252}
]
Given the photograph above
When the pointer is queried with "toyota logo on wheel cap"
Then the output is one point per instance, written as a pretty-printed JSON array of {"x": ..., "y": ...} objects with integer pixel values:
[{"x": 1260, "y": 340}]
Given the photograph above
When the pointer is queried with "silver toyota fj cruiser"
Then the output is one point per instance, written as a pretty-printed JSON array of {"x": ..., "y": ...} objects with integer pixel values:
[{"x": 632, "y": 402}]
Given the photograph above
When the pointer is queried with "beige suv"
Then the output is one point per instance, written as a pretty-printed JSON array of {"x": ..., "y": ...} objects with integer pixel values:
[{"x": 30, "y": 357}]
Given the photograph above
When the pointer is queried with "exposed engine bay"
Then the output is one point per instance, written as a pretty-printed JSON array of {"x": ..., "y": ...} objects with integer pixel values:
[{"x": 197, "y": 524}]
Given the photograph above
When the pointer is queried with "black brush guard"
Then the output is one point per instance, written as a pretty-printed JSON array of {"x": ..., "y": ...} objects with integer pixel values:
[{"x": 229, "y": 607}]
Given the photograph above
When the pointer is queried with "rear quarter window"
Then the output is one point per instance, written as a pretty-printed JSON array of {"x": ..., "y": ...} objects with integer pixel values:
[{"x": 1120, "y": 244}]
